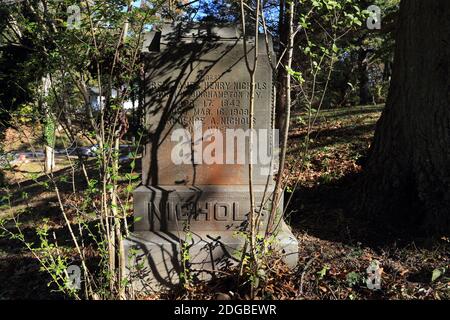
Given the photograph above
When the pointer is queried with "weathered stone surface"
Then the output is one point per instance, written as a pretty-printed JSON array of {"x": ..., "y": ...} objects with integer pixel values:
[
  {"x": 204, "y": 79},
  {"x": 194, "y": 74},
  {"x": 158, "y": 254},
  {"x": 203, "y": 208}
]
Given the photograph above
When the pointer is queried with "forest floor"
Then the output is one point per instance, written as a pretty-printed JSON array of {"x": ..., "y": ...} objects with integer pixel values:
[{"x": 335, "y": 248}]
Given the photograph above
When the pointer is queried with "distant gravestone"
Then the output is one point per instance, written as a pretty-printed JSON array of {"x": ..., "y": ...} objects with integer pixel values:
[{"x": 195, "y": 181}]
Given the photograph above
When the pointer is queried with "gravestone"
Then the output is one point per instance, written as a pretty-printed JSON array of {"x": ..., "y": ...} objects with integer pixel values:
[{"x": 195, "y": 178}]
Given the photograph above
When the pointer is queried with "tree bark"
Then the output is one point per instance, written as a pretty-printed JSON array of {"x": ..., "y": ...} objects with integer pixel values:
[
  {"x": 406, "y": 178},
  {"x": 49, "y": 128},
  {"x": 282, "y": 74},
  {"x": 49, "y": 159},
  {"x": 365, "y": 96}
]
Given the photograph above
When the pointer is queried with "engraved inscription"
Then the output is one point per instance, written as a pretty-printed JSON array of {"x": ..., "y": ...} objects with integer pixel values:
[
  {"x": 201, "y": 211},
  {"x": 216, "y": 103}
]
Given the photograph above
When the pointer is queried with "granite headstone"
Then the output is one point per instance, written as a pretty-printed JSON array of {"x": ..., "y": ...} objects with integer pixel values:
[{"x": 195, "y": 178}]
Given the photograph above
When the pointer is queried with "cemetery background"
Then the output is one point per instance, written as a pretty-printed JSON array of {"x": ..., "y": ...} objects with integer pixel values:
[{"x": 335, "y": 247}]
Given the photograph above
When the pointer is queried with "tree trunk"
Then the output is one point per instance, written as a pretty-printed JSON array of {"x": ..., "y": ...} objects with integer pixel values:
[
  {"x": 49, "y": 164},
  {"x": 365, "y": 96},
  {"x": 406, "y": 178},
  {"x": 281, "y": 88},
  {"x": 49, "y": 128}
]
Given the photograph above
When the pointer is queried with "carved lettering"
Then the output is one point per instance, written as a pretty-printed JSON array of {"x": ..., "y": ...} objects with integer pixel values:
[{"x": 202, "y": 211}]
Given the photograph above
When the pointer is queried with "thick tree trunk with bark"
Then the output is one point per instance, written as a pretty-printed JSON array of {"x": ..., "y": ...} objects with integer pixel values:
[{"x": 407, "y": 175}]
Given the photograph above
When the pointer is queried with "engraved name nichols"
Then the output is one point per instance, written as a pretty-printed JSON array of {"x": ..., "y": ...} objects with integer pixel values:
[{"x": 221, "y": 211}]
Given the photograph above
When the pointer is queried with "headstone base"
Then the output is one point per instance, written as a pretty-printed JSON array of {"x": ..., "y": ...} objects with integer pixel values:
[{"x": 153, "y": 258}]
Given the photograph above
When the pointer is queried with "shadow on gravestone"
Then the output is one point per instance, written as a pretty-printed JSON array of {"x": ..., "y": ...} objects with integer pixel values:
[{"x": 195, "y": 188}]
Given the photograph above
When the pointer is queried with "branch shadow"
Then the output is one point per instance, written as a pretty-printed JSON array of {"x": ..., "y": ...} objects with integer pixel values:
[{"x": 327, "y": 211}]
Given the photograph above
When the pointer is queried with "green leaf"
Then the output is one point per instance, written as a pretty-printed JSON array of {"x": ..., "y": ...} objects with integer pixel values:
[
  {"x": 437, "y": 273},
  {"x": 132, "y": 176},
  {"x": 353, "y": 278},
  {"x": 335, "y": 48},
  {"x": 322, "y": 273}
]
